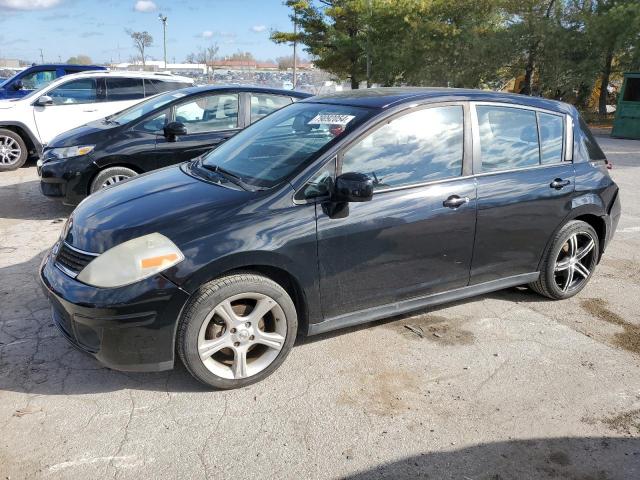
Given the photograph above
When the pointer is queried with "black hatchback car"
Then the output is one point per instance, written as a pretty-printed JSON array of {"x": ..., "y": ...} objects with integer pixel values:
[
  {"x": 166, "y": 129},
  {"x": 333, "y": 211}
]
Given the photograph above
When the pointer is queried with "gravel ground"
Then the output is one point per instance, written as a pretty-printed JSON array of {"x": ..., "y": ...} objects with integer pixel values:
[{"x": 507, "y": 385}]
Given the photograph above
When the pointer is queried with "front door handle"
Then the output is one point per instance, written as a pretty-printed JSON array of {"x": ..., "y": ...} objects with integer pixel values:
[
  {"x": 89, "y": 111},
  {"x": 558, "y": 183},
  {"x": 455, "y": 201}
]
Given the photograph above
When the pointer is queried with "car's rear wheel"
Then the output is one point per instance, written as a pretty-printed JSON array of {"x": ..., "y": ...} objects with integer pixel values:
[
  {"x": 13, "y": 150},
  {"x": 237, "y": 330},
  {"x": 111, "y": 176},
  {"x": 569, "y": 262}
]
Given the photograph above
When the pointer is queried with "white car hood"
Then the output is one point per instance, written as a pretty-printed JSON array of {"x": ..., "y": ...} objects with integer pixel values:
[{"x": 6, "y": 104}]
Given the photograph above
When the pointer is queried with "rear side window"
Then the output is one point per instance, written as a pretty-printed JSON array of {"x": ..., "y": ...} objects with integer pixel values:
[
  {"x": 508, "y": 138},
  {"x": 551, "y": 137},
  {"x": 420, "y": 146},
  {"x": 121, "y": 89},
  {"x": 153, "y": 86},
  {"x": 263, "y": 104},
  {"x": 83, "y": 90},
  {"x": 589, "y": 143}
]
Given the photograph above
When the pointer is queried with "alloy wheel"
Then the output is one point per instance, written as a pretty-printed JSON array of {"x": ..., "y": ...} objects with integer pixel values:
[
  {"x": 575, "y": 261},
  {"x": 113, "y": 180},
  {"x": 242, "y": 335},
  {"x": 10, "y": 150}
]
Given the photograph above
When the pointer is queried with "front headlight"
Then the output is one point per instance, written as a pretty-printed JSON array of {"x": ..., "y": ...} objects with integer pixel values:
[
  {"x": 131, "y": 261},
  {"x": 68, "y": 152}
]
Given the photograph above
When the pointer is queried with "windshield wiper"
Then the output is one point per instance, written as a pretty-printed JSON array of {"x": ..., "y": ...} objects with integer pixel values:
[{"x": 232, "y": 177}]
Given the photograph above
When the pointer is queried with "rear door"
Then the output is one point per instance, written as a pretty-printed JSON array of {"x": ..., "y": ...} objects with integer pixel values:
[
  {"x": 210, "y": 119},
  {"x": 525, "y": 178},
  {"x": 415, "y": 237}
]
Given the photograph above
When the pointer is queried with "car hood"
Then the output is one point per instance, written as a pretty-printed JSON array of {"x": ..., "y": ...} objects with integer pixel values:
[
  {"x": 88, "y": 134},
  {"x": 166, "y": 201},
  {"x": 7, "y": 104}
]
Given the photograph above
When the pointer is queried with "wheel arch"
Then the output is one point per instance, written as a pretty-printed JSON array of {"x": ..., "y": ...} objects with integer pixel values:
[
  {"x": 103, "y": 167},
  {"x": 592, "y": 214},
  {"x": 272, "y": 265},
  {"x": 33, "y": 144}
]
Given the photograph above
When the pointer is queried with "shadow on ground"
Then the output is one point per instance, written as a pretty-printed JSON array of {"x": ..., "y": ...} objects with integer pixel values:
[
  {"x": 600, "y": 458},
  {"x": 24, "y": 201}
]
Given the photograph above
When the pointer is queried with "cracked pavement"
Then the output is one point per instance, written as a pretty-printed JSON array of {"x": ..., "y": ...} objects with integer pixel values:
[{"x": 506, "y": 385}]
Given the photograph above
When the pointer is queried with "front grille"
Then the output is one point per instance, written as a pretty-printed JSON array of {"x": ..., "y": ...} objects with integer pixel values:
[{"x": 71, "y": 261}]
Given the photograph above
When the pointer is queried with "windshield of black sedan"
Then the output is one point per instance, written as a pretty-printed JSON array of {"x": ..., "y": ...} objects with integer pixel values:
[
  {"x": 272, "y": 149},
  {"x": 140, "y": 109}
]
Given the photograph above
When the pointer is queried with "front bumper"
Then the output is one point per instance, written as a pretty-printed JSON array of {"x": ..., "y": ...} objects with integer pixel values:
[
  {"x": 67, "y": 178},
  {"x": 129, "y": 328}
]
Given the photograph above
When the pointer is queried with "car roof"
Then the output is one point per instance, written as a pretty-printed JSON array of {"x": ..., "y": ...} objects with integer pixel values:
[
  {"x": 243, "y": 88},
  {"x": 56, "y": 65},
  {"x": 384, "y": 98}
]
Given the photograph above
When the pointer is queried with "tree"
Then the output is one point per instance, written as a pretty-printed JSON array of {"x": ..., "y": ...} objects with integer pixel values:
[
  {"x": 614, "y": 29},
  {"x": 242, "y": 56},
  {"x": 141, "y": 41},
  {"x": 334, "y": 36},
  {"x": 80, "y": 60},
  {"x": 286, "y": 62}
]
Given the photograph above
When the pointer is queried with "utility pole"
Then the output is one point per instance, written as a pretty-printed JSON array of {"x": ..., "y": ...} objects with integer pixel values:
[
  {"x": 295, "y": 45},
  {"x": 163, "y": 19},
  {"x": 41, "y": 56},
  {"x": 369, "y": 47}
]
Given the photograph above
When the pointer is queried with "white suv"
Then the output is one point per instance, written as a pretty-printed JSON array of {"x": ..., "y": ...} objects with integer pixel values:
[{"x": 29, "y": 123}]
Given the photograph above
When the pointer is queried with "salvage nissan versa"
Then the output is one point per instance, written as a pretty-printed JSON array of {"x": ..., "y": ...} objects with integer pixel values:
[{"x": 331, "y": 212}]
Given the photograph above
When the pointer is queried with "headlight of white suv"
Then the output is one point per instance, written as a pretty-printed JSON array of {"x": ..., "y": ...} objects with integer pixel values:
[
  {"x": 68, "y": 152},
  {"x": 131, "y": 261}
]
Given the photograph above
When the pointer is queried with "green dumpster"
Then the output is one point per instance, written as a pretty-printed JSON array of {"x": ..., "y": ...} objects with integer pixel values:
[{"x": 627, "y": 121}]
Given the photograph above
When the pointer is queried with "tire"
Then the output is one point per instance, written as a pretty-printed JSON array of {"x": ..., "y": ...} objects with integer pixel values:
[
  {"x": 13, "y": 150},
  {"x": 205, "y": 328},
  {"x": 567, "y": 267},
  {"x": 111, "y": 176}
]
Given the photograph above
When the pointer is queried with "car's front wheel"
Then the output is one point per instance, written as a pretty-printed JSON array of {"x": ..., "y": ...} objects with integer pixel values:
[
  {"x": 111, "y": 176},
  {"x": 13, "y": 150},
  {"x": 569, "y": 262},
  {"x": 236, "y": 330}
]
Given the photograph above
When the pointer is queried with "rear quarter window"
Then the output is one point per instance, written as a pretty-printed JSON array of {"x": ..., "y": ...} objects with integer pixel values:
[{"x": 590, "y": 147}]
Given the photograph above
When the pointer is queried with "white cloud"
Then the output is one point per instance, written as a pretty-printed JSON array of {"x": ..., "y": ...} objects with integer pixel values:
[
  {"x": 145, "y": 6},
  {"x": 28, "y": 4},
  {"x": 259, "y": 28},
  {"x": 207, "y": 34}
]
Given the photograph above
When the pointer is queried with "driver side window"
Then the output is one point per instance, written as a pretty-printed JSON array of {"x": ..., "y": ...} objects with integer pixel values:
[
  {"x": 155, "y": 123},
  {"x": 82, "y": 90},
  {"x": 209, "y": 113},
  {"x": 37, "y": 80},
  {"x": 421, "y": 146}
]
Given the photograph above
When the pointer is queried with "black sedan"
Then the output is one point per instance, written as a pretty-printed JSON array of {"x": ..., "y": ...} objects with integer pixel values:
[
  {"x": 331, "y": 212},
  {"x": 169, "y": 128}
]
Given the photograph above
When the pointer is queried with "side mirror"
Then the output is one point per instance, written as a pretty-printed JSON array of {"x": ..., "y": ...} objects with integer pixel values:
[
  {"x": 17, "y": 85},
  {"x": 352, "y": 187},
  {"x": 44, "y": 100},
  {"x": 174, "y": 129}
]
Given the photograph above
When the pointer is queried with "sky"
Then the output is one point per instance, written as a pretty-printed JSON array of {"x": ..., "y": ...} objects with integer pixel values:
[{"x": 97, "y": 28}]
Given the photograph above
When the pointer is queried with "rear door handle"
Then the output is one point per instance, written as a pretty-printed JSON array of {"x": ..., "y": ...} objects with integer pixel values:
[
  {"x": 89, "y": 111},
  {"x": 558, "y": 183},
  {"x": 455, "y": 201}
]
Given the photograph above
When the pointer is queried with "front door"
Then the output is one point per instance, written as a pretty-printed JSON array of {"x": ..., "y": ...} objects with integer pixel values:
[
  {"x": 210, "y": 119},
  {"x": 75, "y": 103},
  {"x": 525, "y": 188},
  {"x": 415, "y": 237}
]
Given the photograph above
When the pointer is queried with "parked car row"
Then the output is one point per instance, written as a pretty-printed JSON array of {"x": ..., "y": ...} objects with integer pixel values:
[
  {"x": 27, "y": 124},
  {"x": 166, "y": 129},
  {"x": 327, "y": 213}
]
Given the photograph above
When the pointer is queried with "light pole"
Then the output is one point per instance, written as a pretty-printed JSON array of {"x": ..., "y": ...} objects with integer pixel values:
[{"x": 163, "y": 19}]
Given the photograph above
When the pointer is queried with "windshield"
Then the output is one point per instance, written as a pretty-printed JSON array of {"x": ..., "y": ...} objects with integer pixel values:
[
  {"x": 148, "y": 106},
  {"x": 284, "y": 142}
]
